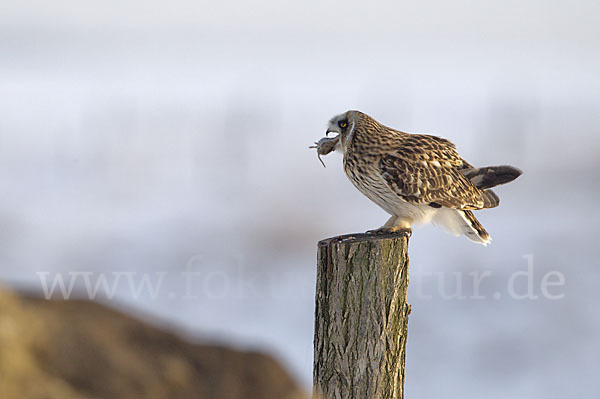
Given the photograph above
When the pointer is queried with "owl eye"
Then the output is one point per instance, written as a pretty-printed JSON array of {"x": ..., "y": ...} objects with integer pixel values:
[{"x": 343, "y": 123}]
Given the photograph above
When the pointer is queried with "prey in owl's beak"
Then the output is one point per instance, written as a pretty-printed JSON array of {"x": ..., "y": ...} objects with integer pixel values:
[{"x": 325, "y": 146}]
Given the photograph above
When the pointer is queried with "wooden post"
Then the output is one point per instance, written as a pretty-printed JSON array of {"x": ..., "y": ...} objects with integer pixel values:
[{"x": 361, "y": 318}]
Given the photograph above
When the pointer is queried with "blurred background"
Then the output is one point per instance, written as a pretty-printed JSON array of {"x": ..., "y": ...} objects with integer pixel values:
[{"x": 162, "y": 146}]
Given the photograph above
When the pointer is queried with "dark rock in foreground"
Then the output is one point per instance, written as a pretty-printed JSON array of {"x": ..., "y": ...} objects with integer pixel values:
[{"x": 80, "y": 349}]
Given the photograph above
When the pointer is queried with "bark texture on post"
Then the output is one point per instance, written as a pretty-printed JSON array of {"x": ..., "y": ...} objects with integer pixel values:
[{"x": 361, "y": 318}]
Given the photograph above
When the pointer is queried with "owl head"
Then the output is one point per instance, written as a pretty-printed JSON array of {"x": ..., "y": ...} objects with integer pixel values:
[
  {"x": 344, "y": 125},
  {"x": 340, "y": 123}
]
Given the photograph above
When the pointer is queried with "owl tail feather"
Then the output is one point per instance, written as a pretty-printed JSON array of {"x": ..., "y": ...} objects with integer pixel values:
[
  {"x": 457, "y": 222},
  {"x": 491, "y": 176}
]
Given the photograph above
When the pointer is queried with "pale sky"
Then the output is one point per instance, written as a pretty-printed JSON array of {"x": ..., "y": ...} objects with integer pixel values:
[{"x": 535, "y": 19}]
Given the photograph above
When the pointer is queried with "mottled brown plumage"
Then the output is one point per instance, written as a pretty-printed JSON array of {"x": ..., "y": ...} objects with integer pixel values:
[{"x": 415, "y": 177}]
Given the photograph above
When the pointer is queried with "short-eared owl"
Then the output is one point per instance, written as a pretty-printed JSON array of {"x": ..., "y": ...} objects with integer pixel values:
[{"x": 416, "y": 178}]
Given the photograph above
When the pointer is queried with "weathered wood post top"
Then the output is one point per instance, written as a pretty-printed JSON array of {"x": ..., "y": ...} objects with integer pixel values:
[{"x": 361, "y": 317}]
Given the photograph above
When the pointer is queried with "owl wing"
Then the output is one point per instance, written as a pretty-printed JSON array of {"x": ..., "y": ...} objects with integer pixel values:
[{"x": 425, "y": 169}]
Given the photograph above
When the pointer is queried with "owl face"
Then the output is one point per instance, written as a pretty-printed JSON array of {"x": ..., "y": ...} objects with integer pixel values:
[
  {"x": 342, "y": 124},
  {"x": 339, "y": 123}
]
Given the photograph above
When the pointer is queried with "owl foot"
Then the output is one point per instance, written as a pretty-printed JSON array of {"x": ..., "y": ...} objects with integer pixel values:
[{"x": 391, "y": 230}]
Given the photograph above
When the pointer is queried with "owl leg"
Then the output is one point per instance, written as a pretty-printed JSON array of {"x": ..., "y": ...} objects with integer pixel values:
[{"x": 394, "y": 225}]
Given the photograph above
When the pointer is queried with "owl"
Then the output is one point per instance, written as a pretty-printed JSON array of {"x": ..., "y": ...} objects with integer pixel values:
[{"x": 416, "y": 178}]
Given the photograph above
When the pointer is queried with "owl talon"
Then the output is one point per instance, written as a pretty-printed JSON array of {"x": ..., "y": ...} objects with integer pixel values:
[{"x": 390, "y": 230}]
